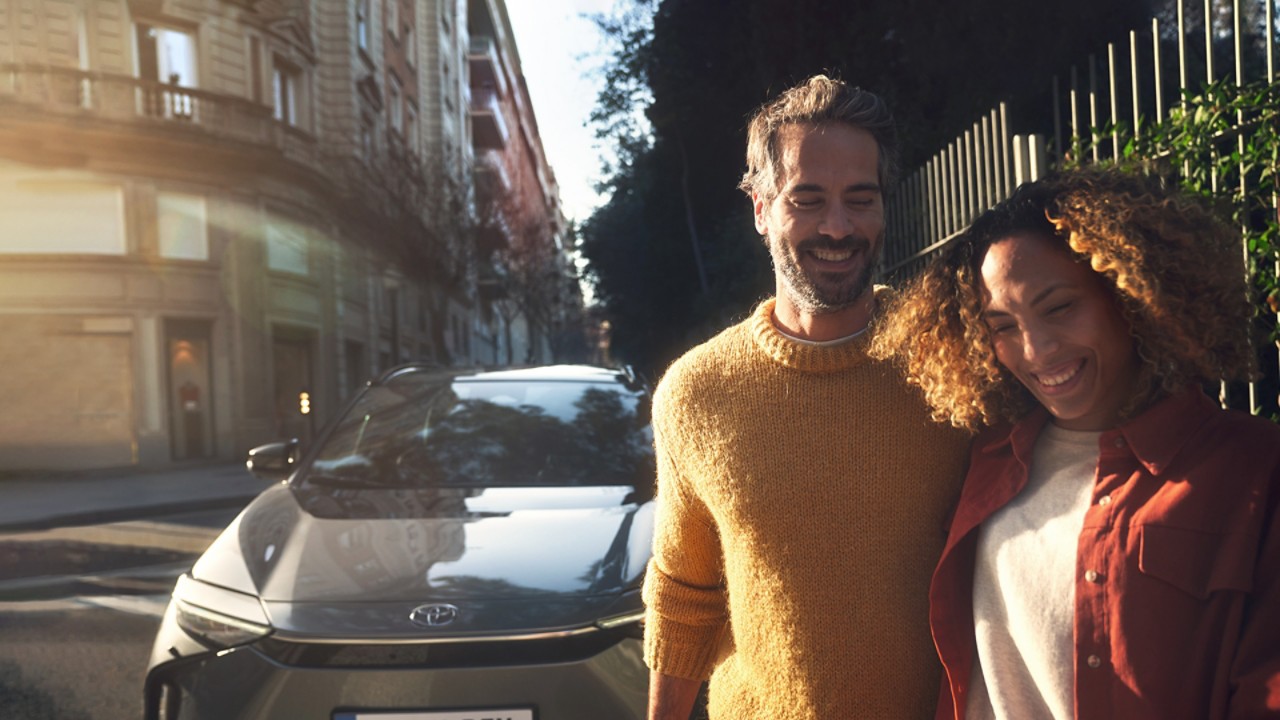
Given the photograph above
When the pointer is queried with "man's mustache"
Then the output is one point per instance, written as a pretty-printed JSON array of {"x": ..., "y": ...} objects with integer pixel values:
[{"x": 851, "y": 242}]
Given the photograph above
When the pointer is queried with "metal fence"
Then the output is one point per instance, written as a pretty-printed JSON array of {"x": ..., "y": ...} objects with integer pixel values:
[
  {"x": 1103, "y": 104},
  {"x": 936, "y": 202}
]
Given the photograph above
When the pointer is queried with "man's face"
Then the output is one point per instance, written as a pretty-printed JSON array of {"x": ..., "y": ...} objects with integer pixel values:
[{"x": 825, "y": 224}]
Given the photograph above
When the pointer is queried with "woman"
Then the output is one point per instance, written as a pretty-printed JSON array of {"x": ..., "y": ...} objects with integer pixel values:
[{"x": 1115, "y": 552}]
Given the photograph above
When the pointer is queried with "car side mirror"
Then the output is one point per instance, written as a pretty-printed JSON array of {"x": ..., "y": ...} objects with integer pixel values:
[{"x": 273, "y": 461}]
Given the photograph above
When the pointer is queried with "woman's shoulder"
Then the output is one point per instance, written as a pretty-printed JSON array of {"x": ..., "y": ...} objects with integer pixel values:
[{"x": 1236, "y": 431}]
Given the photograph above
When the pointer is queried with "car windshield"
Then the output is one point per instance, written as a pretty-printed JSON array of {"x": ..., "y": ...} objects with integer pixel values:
[{"x": 419, "y": 430}]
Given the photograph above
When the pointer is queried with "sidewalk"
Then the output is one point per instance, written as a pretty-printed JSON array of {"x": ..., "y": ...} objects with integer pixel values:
[{"x": 38, "y": 501}]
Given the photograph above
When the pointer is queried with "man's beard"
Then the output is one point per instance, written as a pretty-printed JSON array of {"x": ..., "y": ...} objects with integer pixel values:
[{"x": 820, "y": 293}]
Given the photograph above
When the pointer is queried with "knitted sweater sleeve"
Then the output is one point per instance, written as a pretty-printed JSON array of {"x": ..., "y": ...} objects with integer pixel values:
[{"x": 683, "y": 591}]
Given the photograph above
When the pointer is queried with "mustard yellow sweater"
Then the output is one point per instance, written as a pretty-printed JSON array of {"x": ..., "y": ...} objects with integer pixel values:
[{"x": 802, "y": 498}]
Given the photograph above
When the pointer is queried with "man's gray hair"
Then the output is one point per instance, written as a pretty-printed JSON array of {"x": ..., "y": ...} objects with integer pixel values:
[{"x": 816, "y": 101}]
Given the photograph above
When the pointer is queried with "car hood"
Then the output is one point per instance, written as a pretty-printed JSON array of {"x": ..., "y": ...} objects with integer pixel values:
[{"x": 511, "y": 559}]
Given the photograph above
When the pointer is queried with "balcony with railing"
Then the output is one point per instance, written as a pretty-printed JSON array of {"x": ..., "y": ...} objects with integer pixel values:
[
  {"x": 485, "y": 64},
  {"x": 491, "y": 177},
  {"x": 488, "y": 126},
  {"x": 78, "y": 95}
]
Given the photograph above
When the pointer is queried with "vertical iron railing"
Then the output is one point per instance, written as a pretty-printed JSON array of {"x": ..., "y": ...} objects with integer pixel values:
[{"x": 934, "y": 203}]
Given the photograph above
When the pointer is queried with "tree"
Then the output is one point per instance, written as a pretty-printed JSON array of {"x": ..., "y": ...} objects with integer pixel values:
[
  {"x": 672, "y": 253},
  {"x": 424, "y": 230},
  {"x": 524, "y": 271}
]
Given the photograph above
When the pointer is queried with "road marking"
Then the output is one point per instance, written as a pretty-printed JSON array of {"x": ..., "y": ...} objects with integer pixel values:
[
  {"x": 35, "y": 606},
  {"x": 148, "y": 605},
  {"x": 132, "y": 533}
]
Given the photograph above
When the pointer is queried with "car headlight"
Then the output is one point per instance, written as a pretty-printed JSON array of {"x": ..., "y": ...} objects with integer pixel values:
[{"x": 216, "y": 617}]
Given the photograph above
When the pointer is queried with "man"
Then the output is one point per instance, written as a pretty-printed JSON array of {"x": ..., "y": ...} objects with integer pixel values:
[{"x": 803, "y": 490}]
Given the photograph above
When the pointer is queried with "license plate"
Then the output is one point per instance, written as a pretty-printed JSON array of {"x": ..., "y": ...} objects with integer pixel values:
[{"x": 503, "y": 714}]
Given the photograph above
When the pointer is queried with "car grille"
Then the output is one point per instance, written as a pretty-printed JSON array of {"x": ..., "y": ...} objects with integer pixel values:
[{"x": 479, "y": 653}]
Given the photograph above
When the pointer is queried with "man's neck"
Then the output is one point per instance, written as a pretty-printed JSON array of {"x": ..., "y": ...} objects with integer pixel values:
[{"x": 821, "y": 327}]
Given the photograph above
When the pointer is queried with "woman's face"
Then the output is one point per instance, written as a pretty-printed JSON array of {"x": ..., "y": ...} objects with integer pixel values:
[{"x": 1057, "y": 328}]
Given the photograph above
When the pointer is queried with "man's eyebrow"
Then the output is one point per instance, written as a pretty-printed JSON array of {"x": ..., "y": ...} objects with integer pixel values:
[
  {"x": 806, "y": 187},
  {"x": 815, "y": 187},
  {"x": 863, "y": 187}
]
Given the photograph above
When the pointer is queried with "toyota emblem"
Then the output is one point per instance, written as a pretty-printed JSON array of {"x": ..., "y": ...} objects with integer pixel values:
[{"x": 434, "y": 615}]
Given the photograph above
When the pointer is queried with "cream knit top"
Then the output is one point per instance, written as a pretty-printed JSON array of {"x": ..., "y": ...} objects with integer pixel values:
[{"x": 802, "y": 500}]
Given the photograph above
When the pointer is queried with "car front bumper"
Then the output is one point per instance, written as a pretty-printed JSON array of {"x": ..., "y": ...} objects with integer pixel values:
[{"x": 580, "y": 679}]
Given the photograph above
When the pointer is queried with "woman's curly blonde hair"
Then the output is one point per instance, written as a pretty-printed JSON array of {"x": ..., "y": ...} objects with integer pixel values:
[{"x": 1175, "y": 270}]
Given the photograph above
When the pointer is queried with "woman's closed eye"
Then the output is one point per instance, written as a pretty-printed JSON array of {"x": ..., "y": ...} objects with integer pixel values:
[{"x": 1000, "y": 328}]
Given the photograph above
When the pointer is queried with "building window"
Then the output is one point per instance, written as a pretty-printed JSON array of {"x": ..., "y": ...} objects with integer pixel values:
[
  {"x": 287, "y": 249},
  {"x": 255, "y": 68},
  {"x": 410, "y": 46},
  {"x": 286, "y": 81},
  {"x": 167, "y": 55},
  {"x": 357, "y": 367},
  {"x": 82, "y": 41},
  {"x": 393, "y": 314},
  {"x": 367, "y": 130},
  {"x": 182, "y": 226},
  {"x": 46, "y": 216},
  {"x": 82, "y": 56},
  {"x": 394, "y": 107},
  {"x": 393, "y": 16},
  {"x": 411, "y": 126},
  {"x": 363, "y": 8}
]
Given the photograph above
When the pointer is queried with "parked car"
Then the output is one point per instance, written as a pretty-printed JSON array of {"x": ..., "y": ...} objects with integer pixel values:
[{"x": 455, "y": 546}]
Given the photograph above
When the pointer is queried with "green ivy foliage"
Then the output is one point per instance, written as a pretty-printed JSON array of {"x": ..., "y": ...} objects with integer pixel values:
[{"x": 1222, "y": 143}]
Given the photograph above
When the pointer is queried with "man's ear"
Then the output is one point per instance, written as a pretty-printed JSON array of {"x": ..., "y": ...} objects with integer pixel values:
[{"x": 760, "y": 208}]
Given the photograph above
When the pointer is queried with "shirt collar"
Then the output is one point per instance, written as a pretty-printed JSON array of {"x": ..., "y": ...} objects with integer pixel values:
[
  {"x": 1154, "y": 437},
  {"x": 821, "y": 343}
]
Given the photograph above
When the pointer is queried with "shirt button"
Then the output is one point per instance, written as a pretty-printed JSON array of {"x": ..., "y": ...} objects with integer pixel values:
[
  {"x": 1105, "y": 500},
  {"x": 1119, "y": 442},
  {"x": 1094, "y": 661},
  {"x": 1091, "y": 575}
]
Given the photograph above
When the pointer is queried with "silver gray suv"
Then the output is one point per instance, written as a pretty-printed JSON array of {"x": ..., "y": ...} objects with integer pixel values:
[{"x": 455, "y": 546}]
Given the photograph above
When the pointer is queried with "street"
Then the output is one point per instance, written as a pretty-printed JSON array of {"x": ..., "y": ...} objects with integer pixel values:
[{"x": 79, "y": 608}]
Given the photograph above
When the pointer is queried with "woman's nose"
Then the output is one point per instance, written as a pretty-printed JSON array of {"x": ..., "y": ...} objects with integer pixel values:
[{"x": 1038, "y": 343}]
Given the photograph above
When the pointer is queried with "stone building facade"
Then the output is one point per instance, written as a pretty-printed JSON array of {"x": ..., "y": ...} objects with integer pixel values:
[
  {"x": 528, "y": 280},
  {"x": 219, "y": 217}
]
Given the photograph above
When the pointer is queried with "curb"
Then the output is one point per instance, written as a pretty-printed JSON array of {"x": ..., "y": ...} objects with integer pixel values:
[
  {"x": 93, "y": 517},
  {"x": 45, "y": 587}
]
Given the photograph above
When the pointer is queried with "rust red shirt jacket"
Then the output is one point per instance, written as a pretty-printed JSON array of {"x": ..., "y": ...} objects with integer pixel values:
[{"x": 1177, "y": 589}]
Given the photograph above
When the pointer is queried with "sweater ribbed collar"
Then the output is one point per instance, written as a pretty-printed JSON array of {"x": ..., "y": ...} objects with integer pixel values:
[{"x": 788, "y": 352}]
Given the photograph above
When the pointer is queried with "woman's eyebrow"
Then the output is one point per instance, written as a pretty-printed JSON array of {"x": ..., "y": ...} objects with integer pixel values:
[{"x": 1039, "y": 298}]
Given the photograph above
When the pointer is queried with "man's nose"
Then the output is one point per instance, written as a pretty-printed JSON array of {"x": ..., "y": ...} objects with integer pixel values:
[{"x": 835, "y": 222}]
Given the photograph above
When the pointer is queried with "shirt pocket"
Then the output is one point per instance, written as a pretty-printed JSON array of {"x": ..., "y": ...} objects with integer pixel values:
[{"x": 1197, "y": 562}]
